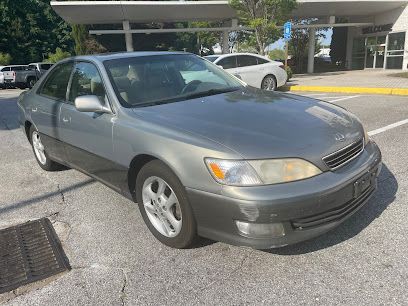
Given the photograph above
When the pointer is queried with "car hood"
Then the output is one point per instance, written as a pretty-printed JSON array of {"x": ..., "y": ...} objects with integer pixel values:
[{"x": 259, "y": 124}]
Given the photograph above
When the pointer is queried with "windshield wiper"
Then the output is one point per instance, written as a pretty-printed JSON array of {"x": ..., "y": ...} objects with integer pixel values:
[
  {"x": 209, "y": 92},
  {"x": 200, "y": 94}
]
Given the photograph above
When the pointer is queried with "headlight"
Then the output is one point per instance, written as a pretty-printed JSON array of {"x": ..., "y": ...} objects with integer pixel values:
[{"x": 260, "y": 172}]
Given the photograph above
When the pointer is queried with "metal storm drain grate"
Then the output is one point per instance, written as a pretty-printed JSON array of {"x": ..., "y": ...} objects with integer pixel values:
[{"x": 29, "y": 252}]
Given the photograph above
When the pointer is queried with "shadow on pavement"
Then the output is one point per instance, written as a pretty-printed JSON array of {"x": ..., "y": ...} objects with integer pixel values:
[
  {"x": 8, "y": 113},
  {"x": 34, "y": 200},
  {"x": 383, "y": 197}
]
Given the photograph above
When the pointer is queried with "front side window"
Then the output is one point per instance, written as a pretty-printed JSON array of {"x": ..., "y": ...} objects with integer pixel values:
[
  {"x": 86, "y": 80},
  {"x": 246, "y": 60},
  {"x": 228, "y": 62},
  {"x": 146, "y": 80},
  {"x": 56, "y": 84}
]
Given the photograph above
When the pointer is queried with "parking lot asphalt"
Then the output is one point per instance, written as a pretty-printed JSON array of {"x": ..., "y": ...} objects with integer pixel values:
[{"x": 116, "y": 261}]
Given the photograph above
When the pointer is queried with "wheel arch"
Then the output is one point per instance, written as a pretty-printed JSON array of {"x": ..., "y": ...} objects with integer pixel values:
[
  {"x": 27, "y": 126},
  {"x": 135, "y": 166}
]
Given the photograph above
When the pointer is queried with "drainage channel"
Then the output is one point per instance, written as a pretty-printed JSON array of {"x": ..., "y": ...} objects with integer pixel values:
[{"x": 29, "y": 252}]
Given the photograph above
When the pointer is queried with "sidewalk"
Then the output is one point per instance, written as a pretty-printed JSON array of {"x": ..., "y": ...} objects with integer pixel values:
[{"x": 360, "y": 81}]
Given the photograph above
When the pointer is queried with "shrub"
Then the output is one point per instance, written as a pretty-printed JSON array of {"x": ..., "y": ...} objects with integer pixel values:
[
  {"x": 57, "y": 56},
  {"x": 5, "y": 59},
  {"x": 289, "y": 72}
]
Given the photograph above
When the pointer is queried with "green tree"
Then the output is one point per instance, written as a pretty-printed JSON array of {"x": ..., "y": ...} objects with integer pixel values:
[
  {"x": 264, "y": 16},
  {"x": 338, "y": 51},
  {"x": 80, "y": 36},
  {"x": 31, "y": 29},
  {"x": 5, "y": 59},
  {"x": 277, "y": 54},
  {"x": 58, "y": 55}
]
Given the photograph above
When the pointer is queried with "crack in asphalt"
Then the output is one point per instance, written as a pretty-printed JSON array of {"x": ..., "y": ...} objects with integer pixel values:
[
  {"x": 123, "y": 290},
  {"x": 61, "y": 193},
  {"x": 233, "y": 271}
]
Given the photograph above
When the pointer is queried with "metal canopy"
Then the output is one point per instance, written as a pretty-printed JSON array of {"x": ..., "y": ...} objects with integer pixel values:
[
  {"x": 110, "y": 12},
  {"x": 320, "y": 8}
]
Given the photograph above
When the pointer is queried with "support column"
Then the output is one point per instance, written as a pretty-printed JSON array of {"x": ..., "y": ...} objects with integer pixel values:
[
  {"x": 225, "y": 46},
  {"x": 128, "y": 36},
  {"x": 310, "y": 59}
]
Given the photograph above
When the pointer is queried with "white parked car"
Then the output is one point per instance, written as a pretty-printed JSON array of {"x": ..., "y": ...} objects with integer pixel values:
[{"x": 253, "y": 69}]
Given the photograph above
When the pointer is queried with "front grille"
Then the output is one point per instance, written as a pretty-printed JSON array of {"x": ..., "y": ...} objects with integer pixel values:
[
  {"x": 344, "y": 155},
  {"x": 333, "y": 215}
]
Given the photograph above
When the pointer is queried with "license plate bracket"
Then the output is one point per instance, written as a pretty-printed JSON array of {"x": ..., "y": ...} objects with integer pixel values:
[{"x": 363, "y": 183}]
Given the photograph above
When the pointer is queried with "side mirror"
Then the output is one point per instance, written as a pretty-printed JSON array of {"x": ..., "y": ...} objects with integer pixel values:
[
  {"x": 220, "y": 66},
  {"x": 90, "y": 103}
]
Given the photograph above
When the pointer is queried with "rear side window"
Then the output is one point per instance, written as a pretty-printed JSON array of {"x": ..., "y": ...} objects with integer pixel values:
[
  {"x": 246, "y": 60},
  {"x": 17, "y": 68},
  {"x": 45, "y": 66},
  {"x": 228, "y": 62},
  {"x": 262, "y": 61},
  {"x": 56, "y": 84},
  {"x": 86, "y": 81}
]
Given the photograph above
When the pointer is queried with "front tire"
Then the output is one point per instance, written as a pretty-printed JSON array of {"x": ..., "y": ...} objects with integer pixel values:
[
  {"x": 269, "y": 83},
  {"x": 164, "y": 206},
  {"x": 40, "y": 152}
]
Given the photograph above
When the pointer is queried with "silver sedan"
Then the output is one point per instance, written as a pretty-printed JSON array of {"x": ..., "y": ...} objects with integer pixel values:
[{"x": 202, "y": 153}]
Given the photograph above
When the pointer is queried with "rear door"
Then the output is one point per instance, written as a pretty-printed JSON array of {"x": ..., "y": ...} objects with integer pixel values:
[
  {"x": 87, "y": 136},
  {"x": 46, "y": 107},
  {"x": 229, "y": 63},
  {"x": 248, "y": 70}
]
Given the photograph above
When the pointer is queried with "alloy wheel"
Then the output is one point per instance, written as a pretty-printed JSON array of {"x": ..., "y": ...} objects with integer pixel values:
[
  {"x": 269, "y": 83},
  {"x": 162, "y": 206},
  {"x": 39, "y": 148}
]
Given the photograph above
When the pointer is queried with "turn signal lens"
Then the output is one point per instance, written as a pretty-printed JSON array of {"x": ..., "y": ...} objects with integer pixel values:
[{"x": 232, "y": 172}]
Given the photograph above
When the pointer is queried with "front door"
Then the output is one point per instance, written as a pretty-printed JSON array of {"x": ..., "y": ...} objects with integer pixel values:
[
  {"x": 87, "y": 135},
  {"x": 375, "y": 52}
]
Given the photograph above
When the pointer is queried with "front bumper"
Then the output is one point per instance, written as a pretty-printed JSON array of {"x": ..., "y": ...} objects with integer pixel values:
[{"x": 305, "y": 208}]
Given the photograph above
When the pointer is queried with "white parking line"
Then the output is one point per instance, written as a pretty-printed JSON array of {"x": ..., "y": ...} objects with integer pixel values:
[
  {"x": 344, "y": 98},
  {"x": 387, "y": 127}
]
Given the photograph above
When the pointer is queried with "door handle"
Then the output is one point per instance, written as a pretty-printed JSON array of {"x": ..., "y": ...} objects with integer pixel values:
[
  {"x": 34, "y": 109},
  {"x": 66, "y": 119}
]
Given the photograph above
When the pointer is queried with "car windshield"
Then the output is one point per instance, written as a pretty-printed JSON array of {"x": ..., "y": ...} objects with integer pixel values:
[{"x": 149, "y": 80}]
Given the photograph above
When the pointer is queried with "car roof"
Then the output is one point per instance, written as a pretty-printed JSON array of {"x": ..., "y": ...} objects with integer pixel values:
[
  {"x": 118, "y": 55},
  {"x": 220, "y": 56},
  {"x": 15, "y": 66}
]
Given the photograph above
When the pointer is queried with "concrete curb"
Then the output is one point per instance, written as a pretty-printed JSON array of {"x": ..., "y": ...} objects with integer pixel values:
[{"x": 358, "y": 90}]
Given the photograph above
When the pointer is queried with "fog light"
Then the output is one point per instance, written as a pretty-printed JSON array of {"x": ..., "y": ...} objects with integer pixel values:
[{"x": 261, "y": 230}]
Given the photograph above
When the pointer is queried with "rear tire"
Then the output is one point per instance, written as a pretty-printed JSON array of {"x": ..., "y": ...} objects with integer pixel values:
[
  {"x": 269, "y": 83},
  {"x": 40, "y": 152},
  {"x": 165, "y": 210}
]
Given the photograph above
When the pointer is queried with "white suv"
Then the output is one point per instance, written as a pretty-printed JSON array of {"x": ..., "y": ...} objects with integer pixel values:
[{"x": 253, "y": 69}]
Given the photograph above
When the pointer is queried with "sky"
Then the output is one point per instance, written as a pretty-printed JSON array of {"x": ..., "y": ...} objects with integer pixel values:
[{"x": 280, "y": 44}]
